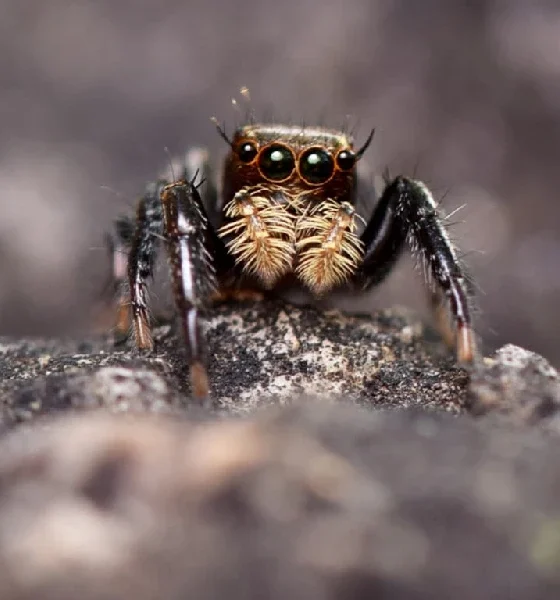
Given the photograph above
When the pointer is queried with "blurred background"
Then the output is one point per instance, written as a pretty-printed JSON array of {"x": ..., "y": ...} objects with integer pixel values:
[{"x": 464, "y": 94}]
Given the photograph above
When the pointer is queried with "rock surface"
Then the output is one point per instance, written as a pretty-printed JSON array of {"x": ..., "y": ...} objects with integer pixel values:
[
  {"x": 260, "y": 354},
  {"x": 452, "y": 494},
  {"x": 309, "y": 503},
  {"x": 518, "y": 385}
]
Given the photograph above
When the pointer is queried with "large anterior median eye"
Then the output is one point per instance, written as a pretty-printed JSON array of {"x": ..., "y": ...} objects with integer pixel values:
[
  {"x": 316, "y": 165},
  {"x": 276, "y": 162}
]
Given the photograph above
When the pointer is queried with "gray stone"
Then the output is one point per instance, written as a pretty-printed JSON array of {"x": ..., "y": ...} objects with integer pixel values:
[
  {"x": 114, "y": 484},
  {"x": 309, "y": 501},
  {"x": 516, "y": 385},
  {"x": 259, "y": 354}
]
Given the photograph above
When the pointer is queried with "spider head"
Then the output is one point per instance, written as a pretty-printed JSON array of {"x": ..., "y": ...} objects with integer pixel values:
[
  {"x": 287, "y": 193},
  {"x": 292, "y": 162}
]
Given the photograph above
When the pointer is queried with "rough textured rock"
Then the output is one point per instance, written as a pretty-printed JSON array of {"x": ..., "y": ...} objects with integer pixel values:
[
  {"x": 315, "y": 498},
  {"x": 260, "y": 354},
  {"x": 312, "y": 502},
  {"x": 517, "y": 385}
]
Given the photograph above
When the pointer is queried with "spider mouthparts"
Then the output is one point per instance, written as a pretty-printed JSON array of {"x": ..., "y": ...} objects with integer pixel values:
[
  {"x": 262, "y": 235},
  {"x": 329, "y": 251}
]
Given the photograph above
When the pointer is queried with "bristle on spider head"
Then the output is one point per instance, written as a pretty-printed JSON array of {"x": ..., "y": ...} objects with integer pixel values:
[
  {"x": 221, "y": 130},
  {"x": 244, "y": 107},
  {"x": 365, "y": 146}
]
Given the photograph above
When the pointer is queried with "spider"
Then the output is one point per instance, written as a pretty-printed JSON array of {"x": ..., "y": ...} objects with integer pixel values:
[{"x": 286, "y": 215}]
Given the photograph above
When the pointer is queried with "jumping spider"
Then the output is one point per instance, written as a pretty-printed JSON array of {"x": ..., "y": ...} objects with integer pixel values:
[{"x": 286, "y": 214}]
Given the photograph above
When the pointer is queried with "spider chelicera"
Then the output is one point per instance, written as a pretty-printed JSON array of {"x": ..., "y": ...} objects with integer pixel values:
[{"x": 286, "y": 214}]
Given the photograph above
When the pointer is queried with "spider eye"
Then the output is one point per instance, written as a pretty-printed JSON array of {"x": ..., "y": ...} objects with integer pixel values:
[
  {"x": 346, "y": 160},
  {"x": 276, "y": 162},
  {"x": 247, "y": 152},
  {"x": 316, "y": 165}
]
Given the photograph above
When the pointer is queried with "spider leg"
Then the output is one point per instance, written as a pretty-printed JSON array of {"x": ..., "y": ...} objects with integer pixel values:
[
  {"x": 383, "y": 238},
  {"x": 407, "y": 211},
  {"x": 118, "y": 246},
  {"x": 141, "y": 258},
  {"x": 195, "y": 166},
  {"x": 440, "y": 311},
  {"x": 198, "y": 170},
  {"x": 191, "y": 245}
]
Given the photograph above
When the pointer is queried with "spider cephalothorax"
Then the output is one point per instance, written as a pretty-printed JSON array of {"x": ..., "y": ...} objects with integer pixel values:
[
  {"x": 289, "y": 195},
  {"x": 286, "y": 213}
]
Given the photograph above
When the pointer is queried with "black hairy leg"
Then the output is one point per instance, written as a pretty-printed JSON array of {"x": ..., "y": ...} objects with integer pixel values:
[
  {"x": 132, "y": 249},
  {"x": 190, "y": 245},
  {"x": 176, "y": 214},
  {"x": 118, "y": 245},
  {"x": 407, "y": 212},
  {"x": 141, "y": 259}
]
